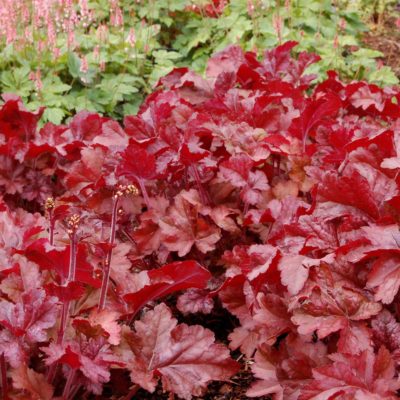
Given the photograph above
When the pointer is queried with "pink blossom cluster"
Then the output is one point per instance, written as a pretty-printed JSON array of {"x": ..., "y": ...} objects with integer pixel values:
[{"x": 39, "y": 22}]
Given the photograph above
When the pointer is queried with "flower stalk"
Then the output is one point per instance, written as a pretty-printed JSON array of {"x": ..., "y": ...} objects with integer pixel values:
[
  {"x": 72, "y": 224},
  {"x": 49, "y": 207},
  {"x": 4, "y": 385},
  {"x": 122, "y": 190}
]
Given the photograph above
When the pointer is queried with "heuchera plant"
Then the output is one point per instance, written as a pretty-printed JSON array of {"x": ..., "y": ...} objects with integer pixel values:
[{"x": 248, "y": 190}]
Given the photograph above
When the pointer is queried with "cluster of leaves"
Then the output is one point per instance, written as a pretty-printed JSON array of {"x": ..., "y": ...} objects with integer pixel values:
[
  {"x": 278, "y": 202},
  {"x": 372, "y": 10},
  {"x": 110, "y": 67}
]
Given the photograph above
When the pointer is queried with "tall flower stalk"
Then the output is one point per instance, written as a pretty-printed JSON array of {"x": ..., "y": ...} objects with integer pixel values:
[
  {"x": 49, "y": 206},
  {"x": 122, "y": 190},
  {"x": 73, "y": 223},
  {"x": 72, "y": 227}
]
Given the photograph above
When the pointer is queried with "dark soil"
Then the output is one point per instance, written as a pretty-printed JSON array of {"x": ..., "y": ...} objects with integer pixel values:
[
  {"x": 222, "y": 323},
  {"x": 234, "y": 390},
  {"x": 385, "y": 37}
]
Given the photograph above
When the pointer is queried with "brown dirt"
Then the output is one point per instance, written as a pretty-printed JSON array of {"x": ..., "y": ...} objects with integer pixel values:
[
  {"x": 385, "y": 37},
  {"x": 221, "y": 322},
  {"x": 234, "y": 390}
]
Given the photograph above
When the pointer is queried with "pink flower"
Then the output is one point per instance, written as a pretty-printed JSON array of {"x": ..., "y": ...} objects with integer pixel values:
[
  {"x": 277, "y": 23},
  {"x": 250, "y": 8},
  {"x": 84, "y": 65},
  {"x": 96, "y": 52},
  {"x": 131, "y": 39}
]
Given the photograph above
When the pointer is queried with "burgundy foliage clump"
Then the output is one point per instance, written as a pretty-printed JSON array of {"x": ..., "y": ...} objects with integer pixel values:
[{"x": 247, "y": 190}]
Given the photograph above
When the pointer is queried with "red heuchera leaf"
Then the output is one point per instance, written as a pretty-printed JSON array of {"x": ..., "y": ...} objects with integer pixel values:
[
  {"x": 31, "y": 317},
  {"x": 194, "y": 301},
  {"x": 295, "y": 270},
  {"x": 353, "y": 191},
  {"x": 237, "y": 171},
  {"x": 100, "y": 323},
  {"x": 137, "y": 163},
  {"x": 367, "y": 96},
  {"x": 108, "y": 321},
  {"x": 386, "y": 332},
  {"x": 85, "y": 126},
  {"x": 268, "y": 382},
  {"x": 35, "y": 384},
  {"x": 284, "y": 371},
  {"x": 25, "y": 323},
  {"x": 185, "y": 357},
  {"x": 368, "y": 376},
  {"x": 251, "y": 261},
  {"x": 58, "y": 260},
  {"x": 225, "y": 61},
  {"x": 315, "y": 112},
  {"x": 319, "y": 313},
  {"x": 88, "y": 171},
  {"x": 183, "y": 227},
  {"x": 72, "y": 291},
  {"x": 83, "y": 326},
  {"x": 16, "y": 121},
  {"x": 385, "y": 278},
  {"x": 168, "y": 279},
  {"x": 92, "y": 357}
]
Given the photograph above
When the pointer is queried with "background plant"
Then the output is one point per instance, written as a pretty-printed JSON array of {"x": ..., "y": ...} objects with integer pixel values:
[{"x": 106, "y": 55}]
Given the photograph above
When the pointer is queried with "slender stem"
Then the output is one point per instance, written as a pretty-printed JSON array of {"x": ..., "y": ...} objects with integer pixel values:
[
  {"x": 132, "y": 392},
  {"x": 66, "y": 304},
  {"x": 4, "y": 386},
  {"x": 70, "y": 278},
  {"x": 52, "y": 372},
  {"x": 51, "y": 229},
  {"x": 72, "y": 394},
  {"x": 246, "y": 208},
  {"x": 144, "y": 193},
  {"x": 107, "y": 264},
  {"x": 205, "y": 199},
  {"x": 68, "y": 384},
  {"x": 63, "y": 323},
  {"x": 72, "y": 259}
]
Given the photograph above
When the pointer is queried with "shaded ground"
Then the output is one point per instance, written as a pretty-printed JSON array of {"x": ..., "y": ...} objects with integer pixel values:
[
  {"x": 234, "y": 390},
  {"x": 222, "y": 323},
  {"x": 385, "y": 37}
]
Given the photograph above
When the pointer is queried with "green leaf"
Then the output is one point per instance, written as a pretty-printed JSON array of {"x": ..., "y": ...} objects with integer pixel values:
[
  {"x": 74, "y": 65},
  {"x": 54, "y": 115},
  {"x": 367, "y": 53},
  {"x": 383, "y": 76},
  {"x": 17, "y": 81}
]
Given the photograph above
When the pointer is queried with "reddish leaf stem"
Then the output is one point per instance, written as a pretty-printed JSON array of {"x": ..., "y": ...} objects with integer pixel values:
[
  {"x": 51, "y": 230},
  {"x": 49, "y": 206},
  {"x": 72, "y": 394},
  {"x": 132, "y": 392},
  {"x": 4, "y": 386},
  {"x": 107, "y": 264},
  {"x": 66, "y": 304},
  {"x": 68, "y": 384},
  {"x": 246, "y": 208},
  {"x": 70, "y": 278},
  {"x": 203, "y": 194},
  {"x": 144, "y": 193}
]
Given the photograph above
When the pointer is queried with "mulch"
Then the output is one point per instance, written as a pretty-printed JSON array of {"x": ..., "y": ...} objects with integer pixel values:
[{"x": 385, "y": 37}]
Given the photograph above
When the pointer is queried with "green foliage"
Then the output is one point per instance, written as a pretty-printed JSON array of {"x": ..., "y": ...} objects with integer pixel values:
[{"x": 169, "y": 33}]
